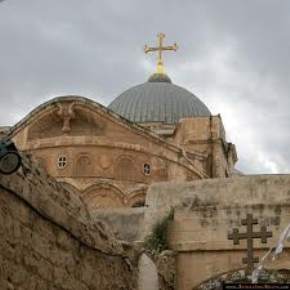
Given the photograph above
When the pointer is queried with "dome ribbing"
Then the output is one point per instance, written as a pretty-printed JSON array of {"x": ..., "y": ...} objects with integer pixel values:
[{"x": 158, "y": 100}]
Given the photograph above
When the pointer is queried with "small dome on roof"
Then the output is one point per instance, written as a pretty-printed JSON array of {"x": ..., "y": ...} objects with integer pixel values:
[{"x": 158, "y": 100}]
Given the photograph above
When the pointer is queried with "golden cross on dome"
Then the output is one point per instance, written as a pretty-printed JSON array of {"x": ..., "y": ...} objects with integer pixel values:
[{"x": 160, "y": 48}]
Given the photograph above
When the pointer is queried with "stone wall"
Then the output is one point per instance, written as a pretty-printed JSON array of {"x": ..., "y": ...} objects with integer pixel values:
[
  {"x": 205, "y": 212},
  {"x": 148, "y": 274},
  {"x": 166, "y": 267},
  {"x": 48, "y": 239},
  {"x": 206, "y": 136},
  {"x": 126, "y": 223}
]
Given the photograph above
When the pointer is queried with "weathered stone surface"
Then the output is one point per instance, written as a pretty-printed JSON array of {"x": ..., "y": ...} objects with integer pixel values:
[
  {"x": 63, "y": 207},
  {"x": 105, "y": 155},
  {"x": 166, "y": 267},
  {"x": 241, "y": 276},
  {"x": 127, "y": 223},
  {"x": 148, "y": 275},
  {"x": 49, "y": 241},
  {"x": 205, "y": 212}
]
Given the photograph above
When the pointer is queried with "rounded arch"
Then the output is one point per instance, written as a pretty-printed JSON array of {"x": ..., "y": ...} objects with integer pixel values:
[
  {"x": 126, "y": 169},
  {"x": 241, "y": 275},
  {"x": 69, "y": 187},
  {"x": 216, "y": 280},
  {"x": 84, "y": 165},
  {"x": 50, "y": 106},
  {"x": 103, "y": 195},
  {"x": 137, "y": 198}
]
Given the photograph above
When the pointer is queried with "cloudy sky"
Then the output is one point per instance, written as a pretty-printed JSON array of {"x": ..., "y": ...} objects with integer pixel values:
[{"x": 234, "y": 55}]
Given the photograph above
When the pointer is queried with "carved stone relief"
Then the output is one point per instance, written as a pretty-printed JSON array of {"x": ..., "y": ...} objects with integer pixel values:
[
  {"x": 87, "y": 123},
  {"x": 66, "y": 113},
  {"x": 84, "y": 165},
  {"x": 105, "y": 161},
  {"x": 47, "y": 126},
  {"x": 103, "y": 196},
  {"x": 126, "y": 169},
  {"x": 67, "y": 118}
]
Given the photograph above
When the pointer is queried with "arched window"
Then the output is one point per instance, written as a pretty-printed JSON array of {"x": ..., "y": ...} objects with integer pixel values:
[
  {"x": 84, "y": 165},
  {"x": 146, "y": 169},
  {"x": 103, "y": 196},
  {"x": 125, "y": 169}
]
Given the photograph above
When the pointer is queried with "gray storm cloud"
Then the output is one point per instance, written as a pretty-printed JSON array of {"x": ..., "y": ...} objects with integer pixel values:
[{"x": 233, "y": 55}]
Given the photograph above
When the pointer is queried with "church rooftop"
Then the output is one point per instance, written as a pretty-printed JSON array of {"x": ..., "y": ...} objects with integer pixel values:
[{"x": 158, "y": 99}]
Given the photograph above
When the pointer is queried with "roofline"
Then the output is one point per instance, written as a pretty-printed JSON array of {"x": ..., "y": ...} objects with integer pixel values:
[
  {"x": 84, "y": 100},
  {"x": 116, "y": 104},
  {"x": 114, "y": 117}
]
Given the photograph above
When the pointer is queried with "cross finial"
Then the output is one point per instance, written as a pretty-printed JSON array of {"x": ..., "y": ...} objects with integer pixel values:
[{"x": 160, "y": 48}]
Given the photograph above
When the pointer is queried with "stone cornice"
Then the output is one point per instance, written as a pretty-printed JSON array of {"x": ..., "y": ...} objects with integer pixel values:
[
  {"x": 204, "y": 246},
  {"x": 74, "y": 141},
  {"x": 102, "y": 110}
]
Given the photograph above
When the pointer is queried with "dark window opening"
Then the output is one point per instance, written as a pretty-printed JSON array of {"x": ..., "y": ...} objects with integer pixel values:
[
  {"x": 139, "y": 203},
  {"x": 146, "y": 169},
  {"x": 61, "y": 162}
]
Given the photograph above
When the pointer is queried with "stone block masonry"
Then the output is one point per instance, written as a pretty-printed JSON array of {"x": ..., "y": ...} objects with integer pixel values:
[
  {"x": 49, "y": 241},
  {"x": 207, "y": 211}
]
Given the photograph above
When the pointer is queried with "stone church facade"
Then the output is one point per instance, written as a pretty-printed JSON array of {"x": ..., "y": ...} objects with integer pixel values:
[
  {"x": 96, "y": 180},
  {"x": 153, "y": 132}
]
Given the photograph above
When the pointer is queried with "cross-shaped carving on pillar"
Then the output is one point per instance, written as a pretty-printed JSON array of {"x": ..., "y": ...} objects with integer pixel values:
[
  {"x": 250, "y": 235},
  {"x": 66, "y": 113}
]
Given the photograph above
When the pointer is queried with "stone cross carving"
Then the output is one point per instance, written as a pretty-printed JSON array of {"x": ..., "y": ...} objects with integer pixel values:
[
  {"x": 250, "y": 235},
  {"x": 66, "y": 113}
]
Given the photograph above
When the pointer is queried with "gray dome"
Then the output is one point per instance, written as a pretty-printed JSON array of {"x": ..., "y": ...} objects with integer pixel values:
[{"x": 158, "y": 100}]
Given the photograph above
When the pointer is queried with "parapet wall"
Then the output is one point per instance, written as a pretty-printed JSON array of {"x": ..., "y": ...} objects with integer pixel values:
[
  {"x": 48, "y": 239},
  {"x": 234, "y": 196},
  {"x": 206, "y": 211},
  {"x": 126, "y": 223}
]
